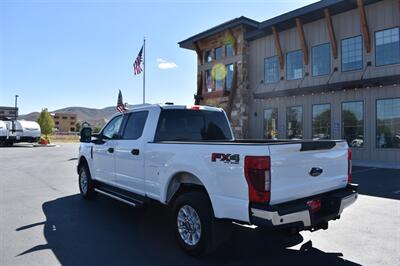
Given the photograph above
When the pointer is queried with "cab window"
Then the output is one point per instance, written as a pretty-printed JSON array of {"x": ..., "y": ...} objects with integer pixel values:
[
  {"x": 135, "y": 125},
  {"x": 112, "y": 128}
]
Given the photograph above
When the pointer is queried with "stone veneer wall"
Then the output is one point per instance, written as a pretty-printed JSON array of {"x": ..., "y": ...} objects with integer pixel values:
[{"x": 239, "y": 104}]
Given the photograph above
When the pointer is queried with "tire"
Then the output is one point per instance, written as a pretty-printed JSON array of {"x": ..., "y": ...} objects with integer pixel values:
[
  {"x": 193, "y": 217},
  {"x": 86, "y": 185}
]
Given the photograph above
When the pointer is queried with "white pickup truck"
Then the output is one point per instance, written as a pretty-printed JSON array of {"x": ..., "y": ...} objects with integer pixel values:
[{"x": 187, "y": 158}]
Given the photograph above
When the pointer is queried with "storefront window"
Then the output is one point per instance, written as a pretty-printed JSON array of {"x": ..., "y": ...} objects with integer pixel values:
[
  {"x": 271, "y": 123},
  {"x": 321, "y": 121},
  {"x": 388, "y": 123},
  {"x": 294, "y": 122},
  {"x": 353, "y": 123}
]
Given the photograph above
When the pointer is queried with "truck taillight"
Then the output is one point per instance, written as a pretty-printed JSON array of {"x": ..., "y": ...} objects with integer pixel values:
[
  {"x": 258, "y": 176},
  {"x": 349, "y": 165}
]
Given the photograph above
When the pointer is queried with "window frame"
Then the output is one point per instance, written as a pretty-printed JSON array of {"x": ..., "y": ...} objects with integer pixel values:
[
  {"x": 376, "y": 125},
  {"x": 362, "y": 54},
  {"x": 364, "y": 119},
  {"x": 302, "y": 64},
  {"x": 265, "y": 59},
  {"x": 302, "y": 119},
  {"x": 330, "y": 59},
  {"x": 312, "y": 119},
  {"x": 376, "y": 65}
]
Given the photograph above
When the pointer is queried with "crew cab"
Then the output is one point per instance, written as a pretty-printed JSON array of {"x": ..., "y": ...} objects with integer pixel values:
[{"x": 187, "y": 158}]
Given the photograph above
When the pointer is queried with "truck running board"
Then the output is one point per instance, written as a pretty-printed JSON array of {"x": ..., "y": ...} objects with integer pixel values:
[{"x": 119, "y": 194}]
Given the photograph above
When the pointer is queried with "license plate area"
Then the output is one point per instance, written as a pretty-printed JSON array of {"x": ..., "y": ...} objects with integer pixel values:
[{"x": 329, "y": 209}]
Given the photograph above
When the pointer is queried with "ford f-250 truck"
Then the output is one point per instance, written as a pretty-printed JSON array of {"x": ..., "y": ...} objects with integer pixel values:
[{"x": 187, "y": 158}]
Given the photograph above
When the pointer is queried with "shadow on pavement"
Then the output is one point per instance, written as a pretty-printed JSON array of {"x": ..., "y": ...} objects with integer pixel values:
[
  {"x": 378, "y": 182},
  {"x": 106, "y": 232}
]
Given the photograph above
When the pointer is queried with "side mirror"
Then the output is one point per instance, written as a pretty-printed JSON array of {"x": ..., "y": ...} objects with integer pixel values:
[{"x": 86, "y": 135}]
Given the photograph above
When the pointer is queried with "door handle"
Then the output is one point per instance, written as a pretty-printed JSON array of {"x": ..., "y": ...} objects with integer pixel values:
[
  {"x": 135, "y": 151},
  {"x": 110, "y": 150}
]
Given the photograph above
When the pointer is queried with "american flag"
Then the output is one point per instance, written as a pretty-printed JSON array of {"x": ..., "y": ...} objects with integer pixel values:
[
  {"x": 120, "y": 104},
  {"x": 137, "y": 69}
]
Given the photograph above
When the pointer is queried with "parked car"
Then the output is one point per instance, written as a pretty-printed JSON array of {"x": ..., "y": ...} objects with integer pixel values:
[{"x": 187, "y": 158}]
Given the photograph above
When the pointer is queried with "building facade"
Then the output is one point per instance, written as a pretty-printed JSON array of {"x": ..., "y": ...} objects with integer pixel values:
[
  {"x": 65, "y": 122},
  {"x": 330, "y": 70}
]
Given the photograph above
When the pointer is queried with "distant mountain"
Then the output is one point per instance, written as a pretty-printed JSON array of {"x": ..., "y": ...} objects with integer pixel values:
[{"x": 92, "y": 115}]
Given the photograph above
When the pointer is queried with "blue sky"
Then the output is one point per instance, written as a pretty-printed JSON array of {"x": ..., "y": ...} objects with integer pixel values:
[{"x": 57, "y": 54}]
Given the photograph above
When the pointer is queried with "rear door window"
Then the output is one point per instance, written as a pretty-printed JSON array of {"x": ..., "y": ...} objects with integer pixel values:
[
  {"x": 192, "y": 125},
  {"x": 135, "y": 125}
]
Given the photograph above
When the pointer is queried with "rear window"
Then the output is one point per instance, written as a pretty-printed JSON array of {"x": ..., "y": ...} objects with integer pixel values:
[{"x": 192, "y": 125}]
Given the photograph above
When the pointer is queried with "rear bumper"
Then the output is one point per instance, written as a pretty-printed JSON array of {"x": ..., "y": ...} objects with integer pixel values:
[{"x": 297, "y": 214}]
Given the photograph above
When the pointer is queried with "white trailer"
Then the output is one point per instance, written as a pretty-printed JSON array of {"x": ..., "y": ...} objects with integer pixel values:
[{"x": 19, "y": 131}]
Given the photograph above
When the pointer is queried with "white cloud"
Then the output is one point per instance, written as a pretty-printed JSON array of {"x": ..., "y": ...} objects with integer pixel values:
[{"x": 164, "y": 64}]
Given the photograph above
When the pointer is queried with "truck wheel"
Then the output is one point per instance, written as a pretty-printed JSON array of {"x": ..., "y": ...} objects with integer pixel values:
[
  {"x": 193, "y": 223},
  {"x": 85, "y": 183}
]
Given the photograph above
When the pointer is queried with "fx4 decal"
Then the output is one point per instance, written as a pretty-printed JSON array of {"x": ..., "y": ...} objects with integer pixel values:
[{"x": 226, "y": 158}]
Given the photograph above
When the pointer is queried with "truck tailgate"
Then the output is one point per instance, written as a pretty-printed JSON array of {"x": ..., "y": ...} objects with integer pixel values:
[{"x": 292, "y": 163}]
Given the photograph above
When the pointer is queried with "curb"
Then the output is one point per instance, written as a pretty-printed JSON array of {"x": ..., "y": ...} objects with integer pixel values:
[{"x": 44, "y": 145}]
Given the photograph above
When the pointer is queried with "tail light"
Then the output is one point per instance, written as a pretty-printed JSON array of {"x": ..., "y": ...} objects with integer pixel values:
[
  {"x": 258, "y": 176},
  {"x": 315, "y": 205},
  {"x": 349, "y": 165},
  {"x": 194, "y": 107}
]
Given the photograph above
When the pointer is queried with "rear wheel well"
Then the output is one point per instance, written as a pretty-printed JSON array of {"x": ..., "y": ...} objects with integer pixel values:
[{"x": 182, "y": 183}]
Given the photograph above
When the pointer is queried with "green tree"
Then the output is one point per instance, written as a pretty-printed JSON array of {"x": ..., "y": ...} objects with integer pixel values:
[
  {"x": 78, "y": 127},
  {"x": 97, "y": 128},
  {"x": 46, "y": 122}
]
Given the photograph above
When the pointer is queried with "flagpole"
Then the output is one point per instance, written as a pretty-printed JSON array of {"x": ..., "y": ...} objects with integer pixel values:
[{"x": 144, "y": 70}]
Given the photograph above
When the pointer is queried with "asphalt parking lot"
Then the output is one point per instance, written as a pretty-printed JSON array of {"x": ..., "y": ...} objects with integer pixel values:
[{"x": 44, "y": 221}]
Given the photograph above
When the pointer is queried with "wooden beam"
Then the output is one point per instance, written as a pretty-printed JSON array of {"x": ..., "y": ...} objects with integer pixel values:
[
  {"x": 364, "y": 25},
  {"x": 331, "y": 31},
  {"x": 198, "y": 52},
  {"x": 303, "y": 43},
  {"x": 278, "y": 47}
]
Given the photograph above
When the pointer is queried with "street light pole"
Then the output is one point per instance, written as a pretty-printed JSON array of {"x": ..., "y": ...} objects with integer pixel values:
[{"x": 16, "y": 101}]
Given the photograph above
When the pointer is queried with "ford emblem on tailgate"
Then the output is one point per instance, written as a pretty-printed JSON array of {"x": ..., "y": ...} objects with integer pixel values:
[{"x": 315, "y": 171}]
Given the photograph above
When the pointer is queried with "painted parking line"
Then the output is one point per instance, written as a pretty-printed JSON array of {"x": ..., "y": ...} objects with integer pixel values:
[{"x": 364, "y": 170}]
